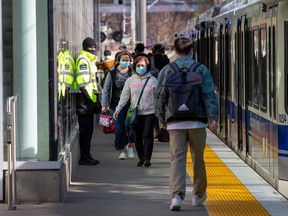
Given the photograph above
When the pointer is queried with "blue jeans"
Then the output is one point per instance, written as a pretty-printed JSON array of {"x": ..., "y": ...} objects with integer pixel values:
[{"x": 121, "y": 138}]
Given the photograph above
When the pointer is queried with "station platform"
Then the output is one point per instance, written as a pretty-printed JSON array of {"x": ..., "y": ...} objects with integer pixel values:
[{"x": 119, "y": 187}]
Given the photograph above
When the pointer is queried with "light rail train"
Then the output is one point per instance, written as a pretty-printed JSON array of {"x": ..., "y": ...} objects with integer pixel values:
[{"x": 245, "y": 45}]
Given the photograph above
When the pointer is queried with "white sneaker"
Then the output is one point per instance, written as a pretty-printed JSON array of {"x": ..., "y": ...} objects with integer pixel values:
[
  {"x": 176, "y": 203},
  {"x": 122, "y": 156},
  {"x": 198, "y": 201},
  {"x": 130, "y": 152}
]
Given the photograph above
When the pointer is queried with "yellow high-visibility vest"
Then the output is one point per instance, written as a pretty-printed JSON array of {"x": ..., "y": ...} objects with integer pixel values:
[
  {"x": 86, "y": 73},
  {"x": 69, "y": 70}
]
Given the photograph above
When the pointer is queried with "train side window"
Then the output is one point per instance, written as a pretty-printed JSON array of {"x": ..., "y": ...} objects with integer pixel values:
[
  {"x": 228, "y": 58},
  {"x": 263, "y": 68},
  {"x": 216, "y": 65},
  {"x": 236, "y": 69},
  {"x": 255, "y": 67},
  {"x": 248, "y": 65}
]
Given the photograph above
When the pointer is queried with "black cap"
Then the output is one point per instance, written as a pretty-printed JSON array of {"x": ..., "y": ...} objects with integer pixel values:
[{"x": 88, "y": 42}]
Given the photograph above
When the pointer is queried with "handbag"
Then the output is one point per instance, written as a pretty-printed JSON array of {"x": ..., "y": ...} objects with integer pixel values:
[
  {"x": 105, "y": 119},
  {"x": 131, "y": 116},
  {"x": 163, "y": 135}
]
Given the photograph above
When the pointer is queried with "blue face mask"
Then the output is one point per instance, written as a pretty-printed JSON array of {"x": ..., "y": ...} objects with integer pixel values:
[
  {"x": 141, "y": 70},
  {"x": 124, "y": 64}
]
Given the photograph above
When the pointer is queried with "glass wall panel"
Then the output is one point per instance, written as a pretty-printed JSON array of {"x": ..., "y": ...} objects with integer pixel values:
[
  {"x": 72, "y": 23},
  {"x": 7, "y": 76},
  {"x": 52, "y": 114}
]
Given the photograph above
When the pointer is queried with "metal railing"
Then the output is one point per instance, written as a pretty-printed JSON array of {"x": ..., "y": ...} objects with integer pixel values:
[{"x": 11, "y": 152}]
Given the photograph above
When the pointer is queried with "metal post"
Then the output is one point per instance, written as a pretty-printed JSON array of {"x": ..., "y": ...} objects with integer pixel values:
[
  {"x": 14, "y": 154},
  {"x": 133, "y": 23},
  {"x": 143, "y": 28},
  {"x": 9, "y": 132}
]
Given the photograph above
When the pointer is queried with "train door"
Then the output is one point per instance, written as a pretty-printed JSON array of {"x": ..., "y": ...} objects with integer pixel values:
[
  {"x": 221, "y": 83},
  {"x": 239, "y": 82},
  {"x": 242, "y": 108},
  {"x": 272, "y": 96},
  {"x": 246, "y": 34},
  {"x": 225, "y": 70}
]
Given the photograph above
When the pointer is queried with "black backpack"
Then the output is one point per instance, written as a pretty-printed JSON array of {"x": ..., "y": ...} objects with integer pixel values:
[{"x": 183, "y": 86}]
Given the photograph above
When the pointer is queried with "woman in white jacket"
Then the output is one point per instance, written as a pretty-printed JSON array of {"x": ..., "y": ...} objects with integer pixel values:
[{"x": 144, "y": 137}]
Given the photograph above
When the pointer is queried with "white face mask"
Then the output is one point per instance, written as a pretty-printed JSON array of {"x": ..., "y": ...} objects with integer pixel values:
[{"x": 108, "y": 58}]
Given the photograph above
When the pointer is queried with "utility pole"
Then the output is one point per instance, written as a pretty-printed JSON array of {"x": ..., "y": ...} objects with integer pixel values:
[
  {"x": 133, "y": 23},
  {"x": 141, "y": 28}
]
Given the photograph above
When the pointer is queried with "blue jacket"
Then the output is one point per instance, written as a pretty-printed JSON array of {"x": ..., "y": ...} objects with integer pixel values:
[{"x": 209, "y": 107}]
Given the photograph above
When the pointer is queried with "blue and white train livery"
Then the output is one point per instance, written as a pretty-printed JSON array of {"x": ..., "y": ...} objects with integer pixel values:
[{"x": 245, "y": 45}]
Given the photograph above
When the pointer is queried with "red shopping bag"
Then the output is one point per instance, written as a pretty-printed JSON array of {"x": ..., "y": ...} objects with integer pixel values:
[
  {"x": 110, "y": 129},
  {"x": 107, "y": 122},
  {"x": 105, "y": 119}
]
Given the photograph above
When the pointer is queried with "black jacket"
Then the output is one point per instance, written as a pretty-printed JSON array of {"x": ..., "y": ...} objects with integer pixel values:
[{"x": 160, "y": 61}]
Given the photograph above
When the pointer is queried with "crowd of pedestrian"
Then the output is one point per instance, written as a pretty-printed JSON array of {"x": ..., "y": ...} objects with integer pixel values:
[{"x": 128, "y": 77}]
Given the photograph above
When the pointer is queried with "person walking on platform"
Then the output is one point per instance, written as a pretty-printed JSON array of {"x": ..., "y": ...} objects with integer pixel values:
[
  {"x": 143, "y": 130},
  {"x": 87, "y": 101},
  {"x": 158, "y": 56},
  {"x": 189, "y": 130},
  {"x": 158, "y": 60},
  {"x": 113, "y": 86},
  {"x": 104, "y": 65},
  {"x": 139, "y": 50}
]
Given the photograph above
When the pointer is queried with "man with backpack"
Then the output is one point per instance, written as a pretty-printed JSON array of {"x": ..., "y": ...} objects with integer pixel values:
[{"x": 185, "y": 103}]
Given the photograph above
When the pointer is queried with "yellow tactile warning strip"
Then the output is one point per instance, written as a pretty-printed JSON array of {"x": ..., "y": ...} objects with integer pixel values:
[{"x": 226, "y": 194}]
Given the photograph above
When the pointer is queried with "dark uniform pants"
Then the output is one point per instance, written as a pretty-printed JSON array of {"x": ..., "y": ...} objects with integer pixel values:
[{"x": 86, "y": 126}]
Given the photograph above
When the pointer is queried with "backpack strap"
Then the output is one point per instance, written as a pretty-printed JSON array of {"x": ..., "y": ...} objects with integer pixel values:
[
  {"x": 174, "y": 66},
  {"x": 193, "y": 66},
  {"x": 142, "y": 90}
]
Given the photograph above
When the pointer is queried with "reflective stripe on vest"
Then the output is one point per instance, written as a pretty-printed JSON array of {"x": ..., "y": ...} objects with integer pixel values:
[
  {"x": 69, "y": 76},
  {"x": 85, "y": 77}
]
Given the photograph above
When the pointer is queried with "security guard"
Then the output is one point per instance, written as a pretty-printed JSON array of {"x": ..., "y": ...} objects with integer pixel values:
[{"x": 87, "y": 101}]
